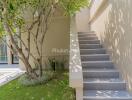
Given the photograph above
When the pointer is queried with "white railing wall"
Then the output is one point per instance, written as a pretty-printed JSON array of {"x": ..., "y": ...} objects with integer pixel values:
[{"x": 76, "y": 77}]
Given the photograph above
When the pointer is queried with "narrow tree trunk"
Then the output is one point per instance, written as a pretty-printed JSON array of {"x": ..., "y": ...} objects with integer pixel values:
[
  {"x": 41, "y": 60},
  {"x": 30, "y": 70},
  {"x": 25, "y": 60},
  {"x": 40, "y": 70}
]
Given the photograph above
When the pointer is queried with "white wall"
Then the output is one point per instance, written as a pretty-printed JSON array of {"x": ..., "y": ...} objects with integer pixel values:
[
  {"x": 113, "y": 25},
  {"x": 57, "y": 37},
  {"x": 82, "y": 18}
]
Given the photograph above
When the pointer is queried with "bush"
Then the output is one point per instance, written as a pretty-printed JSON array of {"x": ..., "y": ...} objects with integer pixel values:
[
  {"x": 57, "y": 64},
  {"x": 26, "y": 81}
]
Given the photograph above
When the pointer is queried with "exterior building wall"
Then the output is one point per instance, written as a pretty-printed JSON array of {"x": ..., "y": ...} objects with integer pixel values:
[
  {"x": 112, "y": 21},
  {"x": 78, "y": 23},
  {"x": 57, "y": 38},
  {"x": 82, "y": 18},
  {"x": 75, "y": 67}
]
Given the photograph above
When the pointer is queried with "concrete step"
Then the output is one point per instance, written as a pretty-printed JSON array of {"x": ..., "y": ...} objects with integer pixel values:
[
  {"x": 92, "y": 51},
  {"x": 97, "y": 64},
  {"x": 104, "y": 84},
  {"x": 89, "y": 42},
  {"x": 101, "y": 80},
  {"x": 91, "y": 32},
  {"x": 86, "y": 34},
  {"x": 90, "y": 46},
  {"x": 95, "y": 57},
  {"x": 106, "y": 95},
  {"x": 100, "y": 73},
  {"x": 88, "y": 38}
]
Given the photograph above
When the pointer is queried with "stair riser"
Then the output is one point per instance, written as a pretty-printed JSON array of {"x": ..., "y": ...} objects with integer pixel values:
[
  {"x": 101, "y": 74},
  {"x": 101, "y": 68},
  {"x": 97, "y": 67},
  {"x": 89, "y": 42},
  {"x": 81, "y": 33},
  {"x": 86, "y": 35},
  {"x": 87, "y": 38},
  {"x": 101, "y": 64},
  {"x": 90, "y": 46},
  {"x": 105, "y": 86},
  {"x": 106, "y": 98},
  {"x": 92, "y": 52},
  {"x": 95, "y": 58}
]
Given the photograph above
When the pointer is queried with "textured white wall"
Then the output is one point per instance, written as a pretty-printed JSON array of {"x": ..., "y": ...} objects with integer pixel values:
[
  {"x": 114, "y": 27},
  {"x": 56, "y": 38},
  {"x": 82, "y": 19}
]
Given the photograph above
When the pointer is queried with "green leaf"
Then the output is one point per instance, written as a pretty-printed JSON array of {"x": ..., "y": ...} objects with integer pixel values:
[{"x": 11, "y": 6}]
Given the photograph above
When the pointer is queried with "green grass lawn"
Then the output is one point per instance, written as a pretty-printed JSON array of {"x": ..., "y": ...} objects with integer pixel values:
[{"x": 56, "y": 89}]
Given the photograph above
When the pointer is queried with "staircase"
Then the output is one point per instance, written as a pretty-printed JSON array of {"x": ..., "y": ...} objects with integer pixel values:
[{"x": 100, "y": 78}]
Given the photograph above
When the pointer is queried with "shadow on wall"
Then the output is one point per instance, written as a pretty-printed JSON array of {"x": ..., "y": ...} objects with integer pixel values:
[{"x": 118, "y": 36}]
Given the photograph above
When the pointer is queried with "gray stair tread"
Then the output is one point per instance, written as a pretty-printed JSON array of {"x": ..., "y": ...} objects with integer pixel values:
[
  {"x": 90, "y": 40},
  {"x": 90, "y": 44},
  {"x": 94, "y": 55},
  {"x": 97, "y": 61},
  {"x": 94, "y": 37},
  {"x": 87, "y": 38},
  {"x": 81, "y": 33},
  {"x": 100, "y": 70},
  {"x": 94, "y": 49},
  {"x": 106, "y": 94},
  {"x": 102, "y": 80},
  {"x": 94, "y": 40},
  {"x": 89, "y": 32},
  {"x": 86, "y": 34}
]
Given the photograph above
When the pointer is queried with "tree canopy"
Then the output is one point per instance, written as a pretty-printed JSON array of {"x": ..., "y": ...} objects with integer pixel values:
[{"x": 12, "y": 18}]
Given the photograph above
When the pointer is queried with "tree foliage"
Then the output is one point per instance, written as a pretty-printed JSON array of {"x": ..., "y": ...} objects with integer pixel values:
[
  {"x": 72, "y": 6},
  {"x": 12, "y": 18}
]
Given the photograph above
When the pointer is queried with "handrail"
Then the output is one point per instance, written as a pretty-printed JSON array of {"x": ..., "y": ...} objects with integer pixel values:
[
  {"x": 76, "y": 77},
  {"x": 98, "y": 10}
]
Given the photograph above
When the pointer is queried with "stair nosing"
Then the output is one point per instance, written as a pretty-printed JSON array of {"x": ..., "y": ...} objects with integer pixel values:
[
  {"x": 94, "y": 49},
  {"x": 87, "y": 36},
  {"x": 95, "y": 55},
  {"x": 87, "y": 32},
  {"x": 97, "y": 61},
  {"x": 120, "y": 98},
  {"x": 91, "y": 39},
  {"x": 100, "y": 82},
  {"x": 88, "y": 40},
  {"x": 108, "y": 70},
  {"x": 90, "y": 44}
]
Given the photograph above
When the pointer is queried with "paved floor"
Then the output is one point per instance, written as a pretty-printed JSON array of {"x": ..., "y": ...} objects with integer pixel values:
[
  {"x": 9, "y": 72},
  {"x": 1, "y": 74}
]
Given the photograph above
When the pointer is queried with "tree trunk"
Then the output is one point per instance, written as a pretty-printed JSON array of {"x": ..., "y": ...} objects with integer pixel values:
[
  {"x": 21, "y": 55},
  {"x": 40, "y": 70},
  {"x": 29, "y": 69}
]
